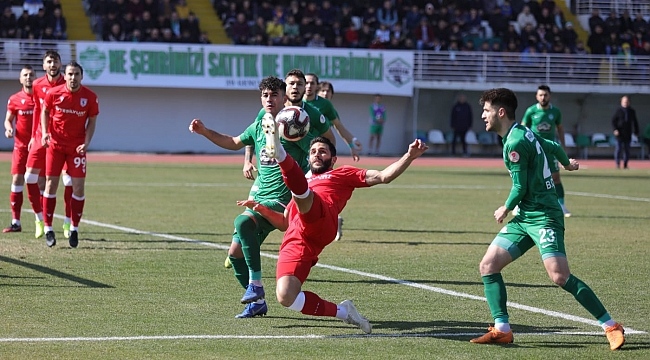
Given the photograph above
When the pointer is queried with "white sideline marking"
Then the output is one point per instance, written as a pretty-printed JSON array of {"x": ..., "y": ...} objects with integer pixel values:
[
  {"x": 283, "y": 337},
  {"x": 371, "y": 275}
]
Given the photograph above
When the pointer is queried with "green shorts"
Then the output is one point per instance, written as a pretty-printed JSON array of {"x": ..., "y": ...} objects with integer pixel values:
[
  {"x": 521, "y": 234},
  {"x": 376, "y": 129},
  {"x": 264, "y": 227}
]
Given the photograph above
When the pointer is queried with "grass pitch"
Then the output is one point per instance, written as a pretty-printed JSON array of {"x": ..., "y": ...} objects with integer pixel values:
[{"x": 148, "y": 282}]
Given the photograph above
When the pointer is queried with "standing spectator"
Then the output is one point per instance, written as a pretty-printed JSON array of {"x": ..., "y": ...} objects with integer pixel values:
[
  {"x": 377, "y": 122},
  {"x": 20, "y": 108},
  {"x": 624, "y": 123},
  {"x": 461, "y": 122},
  {"x": 597, "y": 41},
  {"x": 498, "y": 22},
  {"x": 8, "y": 24},
  {"x": 595, "y": 20},
  {"x": 612, "y": 23},
  {"x": 67, "y": 135},
  {"x": 569, "y": 36}
]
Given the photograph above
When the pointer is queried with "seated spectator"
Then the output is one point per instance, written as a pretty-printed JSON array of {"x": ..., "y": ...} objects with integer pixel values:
[
  {"x": 316, "y": 41},
  {"x": 258, "y": 32},
  {"x": 152, "y": 6},
  {"x": 473, "y": 24},
  {"x": 639, "y": 24},
  {"x": 498, "y": 22},
  {"x": 423, "y": 35},
  {"x": 351, "y": 36},
  {"x": 307, "y": 29},
  {"x": 128, "y": 24},
  {"x": 274, "y": 30},
  {"x": 546, "y": 19},
  {"x": 240, "y": 31},
  {"x": 39, "y": 23},
  {"x": 511, "y": 35},
  {"x": 182, "y": 9},
  {"x": 569, "y": 36},
  {"x": 135, "y": 7},
  {"x": 387, "y": 15},
  {"x": 366, "y": 36},
  {"x": 613, "y": 44},
  {"x": 145, "y": 24},
  {"x": 59, "y": 26},
  {"x": 344, "y": 17},
  {"x": 116, "y": 33},
  {"x": 412, "y": 18},
  {"x": 291, "y": 29},
  {"x": 558, "y": 18},
  {"x": 526, "y": 17},
  {"x": 168, "y": 36},
  {"x": 165, "y": 8},
  {"x": 310, "y": 13},
  {"x": 612, "y": 23},
  {"x": 382, "y": 34},
  {"x": 370, "y": 17},
  {"x": 175, "y": 25},
  {"x": 23, "y": 25},
  {"x": 154, "y": 36},
  {"x": 136, "y": 36},
  {"x": 8, "y": 24},
  {"x": 203, "y": 38},
  {"x": 192, "y": 26},
  {"x": 229, "y": 16},
  {"x": 327, "y": 13},
  {"x": 32, "y": 6}
]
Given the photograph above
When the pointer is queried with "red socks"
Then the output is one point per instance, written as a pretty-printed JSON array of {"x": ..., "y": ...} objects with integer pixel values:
[{"x": 315, "y": 306}]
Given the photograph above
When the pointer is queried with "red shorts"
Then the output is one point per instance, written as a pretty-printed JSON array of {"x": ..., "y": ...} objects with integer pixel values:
[
  {"x": 304, "y": 242},
  {"x": 19, "y": 160},
  {"x": 36, "y": 157},
  {"x": 59, "y": 156}
]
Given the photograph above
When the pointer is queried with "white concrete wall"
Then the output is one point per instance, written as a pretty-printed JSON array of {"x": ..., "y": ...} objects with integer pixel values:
[{"x": 156, "y": 120}]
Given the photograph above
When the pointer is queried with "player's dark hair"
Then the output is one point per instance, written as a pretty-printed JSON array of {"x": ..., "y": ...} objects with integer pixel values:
[
  {"x": 75, "y": 64},
  {"x": 328, "y": 84},
  {"x": 326, "y": 141},
  {"x": 544, "y": 88},
  {"x": 297, "y": 73},
  {"x": 27, "y": 67},
  {"x": 53, "y": 54},
  {"x": 273, "y": 83},
  {"x": 312, "y": 74},
  {"x": 501, "y": 98}
]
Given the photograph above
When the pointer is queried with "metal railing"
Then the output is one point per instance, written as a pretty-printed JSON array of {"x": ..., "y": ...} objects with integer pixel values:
[{"x": 584, "y": 7}]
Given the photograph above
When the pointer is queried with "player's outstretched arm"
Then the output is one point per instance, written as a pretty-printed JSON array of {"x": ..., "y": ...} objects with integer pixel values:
[
  {"x": 573, "y": 165},
  {"x": 416, "y": 149},
  {"x": 224, "y": 141},
  {"x": 277, "y": 219},
  {"x": 345, "y": 134}
]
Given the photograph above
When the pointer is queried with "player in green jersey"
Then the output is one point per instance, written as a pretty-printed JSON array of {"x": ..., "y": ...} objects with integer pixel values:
[
  {"x": 546, "y": 121},
  {"x": 250, "y": 227},
  {"x": 327, "y": 109},
  {"x": 540, "y": 222}
]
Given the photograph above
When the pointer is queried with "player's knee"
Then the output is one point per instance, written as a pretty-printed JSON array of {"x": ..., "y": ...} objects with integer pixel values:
[
  {"x": 559, "y": 278},
  {"x": 235, "y": 250},
  {"x": 31, "y": 178},
  {"x": 244, "y": 223},
  {"x": 285, "y": 297}
]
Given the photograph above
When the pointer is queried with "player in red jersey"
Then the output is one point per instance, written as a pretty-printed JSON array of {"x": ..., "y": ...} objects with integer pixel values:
[
  {"x": 310, "y": 219},
  {"x": 20, "y": 107},
  {"x": 68, "y": 121},
  {"x": 35, "y": 176}
]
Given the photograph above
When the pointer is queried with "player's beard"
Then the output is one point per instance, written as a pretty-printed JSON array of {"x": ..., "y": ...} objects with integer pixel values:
[
  {"x": 327, "y": 165},
  {"x": 544, "y": 103},
  {"x": 54, "y": 73}
]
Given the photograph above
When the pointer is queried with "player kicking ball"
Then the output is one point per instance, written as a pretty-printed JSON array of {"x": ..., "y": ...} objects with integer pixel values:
[{"x": 311, "y": 218}]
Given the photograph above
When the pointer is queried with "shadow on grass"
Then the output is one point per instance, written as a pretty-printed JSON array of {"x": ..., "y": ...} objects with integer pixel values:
[
  {"x": 420, "y": 281},
  {"x": 56, "y": 273}
]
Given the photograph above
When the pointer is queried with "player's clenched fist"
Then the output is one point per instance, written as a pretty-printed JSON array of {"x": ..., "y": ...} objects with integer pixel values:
[{"x": 196, "y": 126}]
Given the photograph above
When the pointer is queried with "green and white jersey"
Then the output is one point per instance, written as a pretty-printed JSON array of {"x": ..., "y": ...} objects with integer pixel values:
[
  {"x": 299, "y": 150},
  {"x": 524, "y": 154},
  {"x": 543, "y": 122},
  {"x": 271, "y": 187},
  {"x": 325, "y": 107}
]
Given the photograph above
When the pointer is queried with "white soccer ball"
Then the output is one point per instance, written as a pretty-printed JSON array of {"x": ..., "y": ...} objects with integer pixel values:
[{"x": 293, "y": 123}]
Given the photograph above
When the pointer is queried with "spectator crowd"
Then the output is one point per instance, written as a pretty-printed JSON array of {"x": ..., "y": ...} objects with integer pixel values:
[
  {"x": 466, "y": 25},
  {"x": 40, "y": 20}
]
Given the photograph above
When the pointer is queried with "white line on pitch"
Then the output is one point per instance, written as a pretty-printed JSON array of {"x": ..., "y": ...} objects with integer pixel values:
[
  {"x": 370, "y": 275},
  {"x": 286, "y": 337}
]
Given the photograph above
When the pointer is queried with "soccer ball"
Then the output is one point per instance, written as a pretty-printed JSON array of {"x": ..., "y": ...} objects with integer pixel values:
[{"x": 293, "y": 123}]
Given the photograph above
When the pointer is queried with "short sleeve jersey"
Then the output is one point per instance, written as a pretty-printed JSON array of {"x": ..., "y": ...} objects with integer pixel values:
[
  {"x": 271, "y": 185},
  {"x": 334, "y": 187},
  {"x": 21, "y": 104},
  {"x": 69, "y": 112},
  {"x": 542, "y": 121},
  {"x": 41, "y": 86},
  {"x": 325, "y": 107},
  {"x": 377, "y": 114},
  {"x": 523, "y": 152}
]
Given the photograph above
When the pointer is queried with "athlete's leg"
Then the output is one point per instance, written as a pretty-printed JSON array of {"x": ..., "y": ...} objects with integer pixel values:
[
  {"x": 238, "y": 263},
  {"x": 67, "y": 200}
]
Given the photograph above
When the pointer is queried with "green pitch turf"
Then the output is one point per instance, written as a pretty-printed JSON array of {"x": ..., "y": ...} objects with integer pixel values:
[{"x": 148, "y": 282}]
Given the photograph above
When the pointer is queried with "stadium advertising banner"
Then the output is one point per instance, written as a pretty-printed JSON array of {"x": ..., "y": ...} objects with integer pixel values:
[{"x": 242, "y": 67}]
